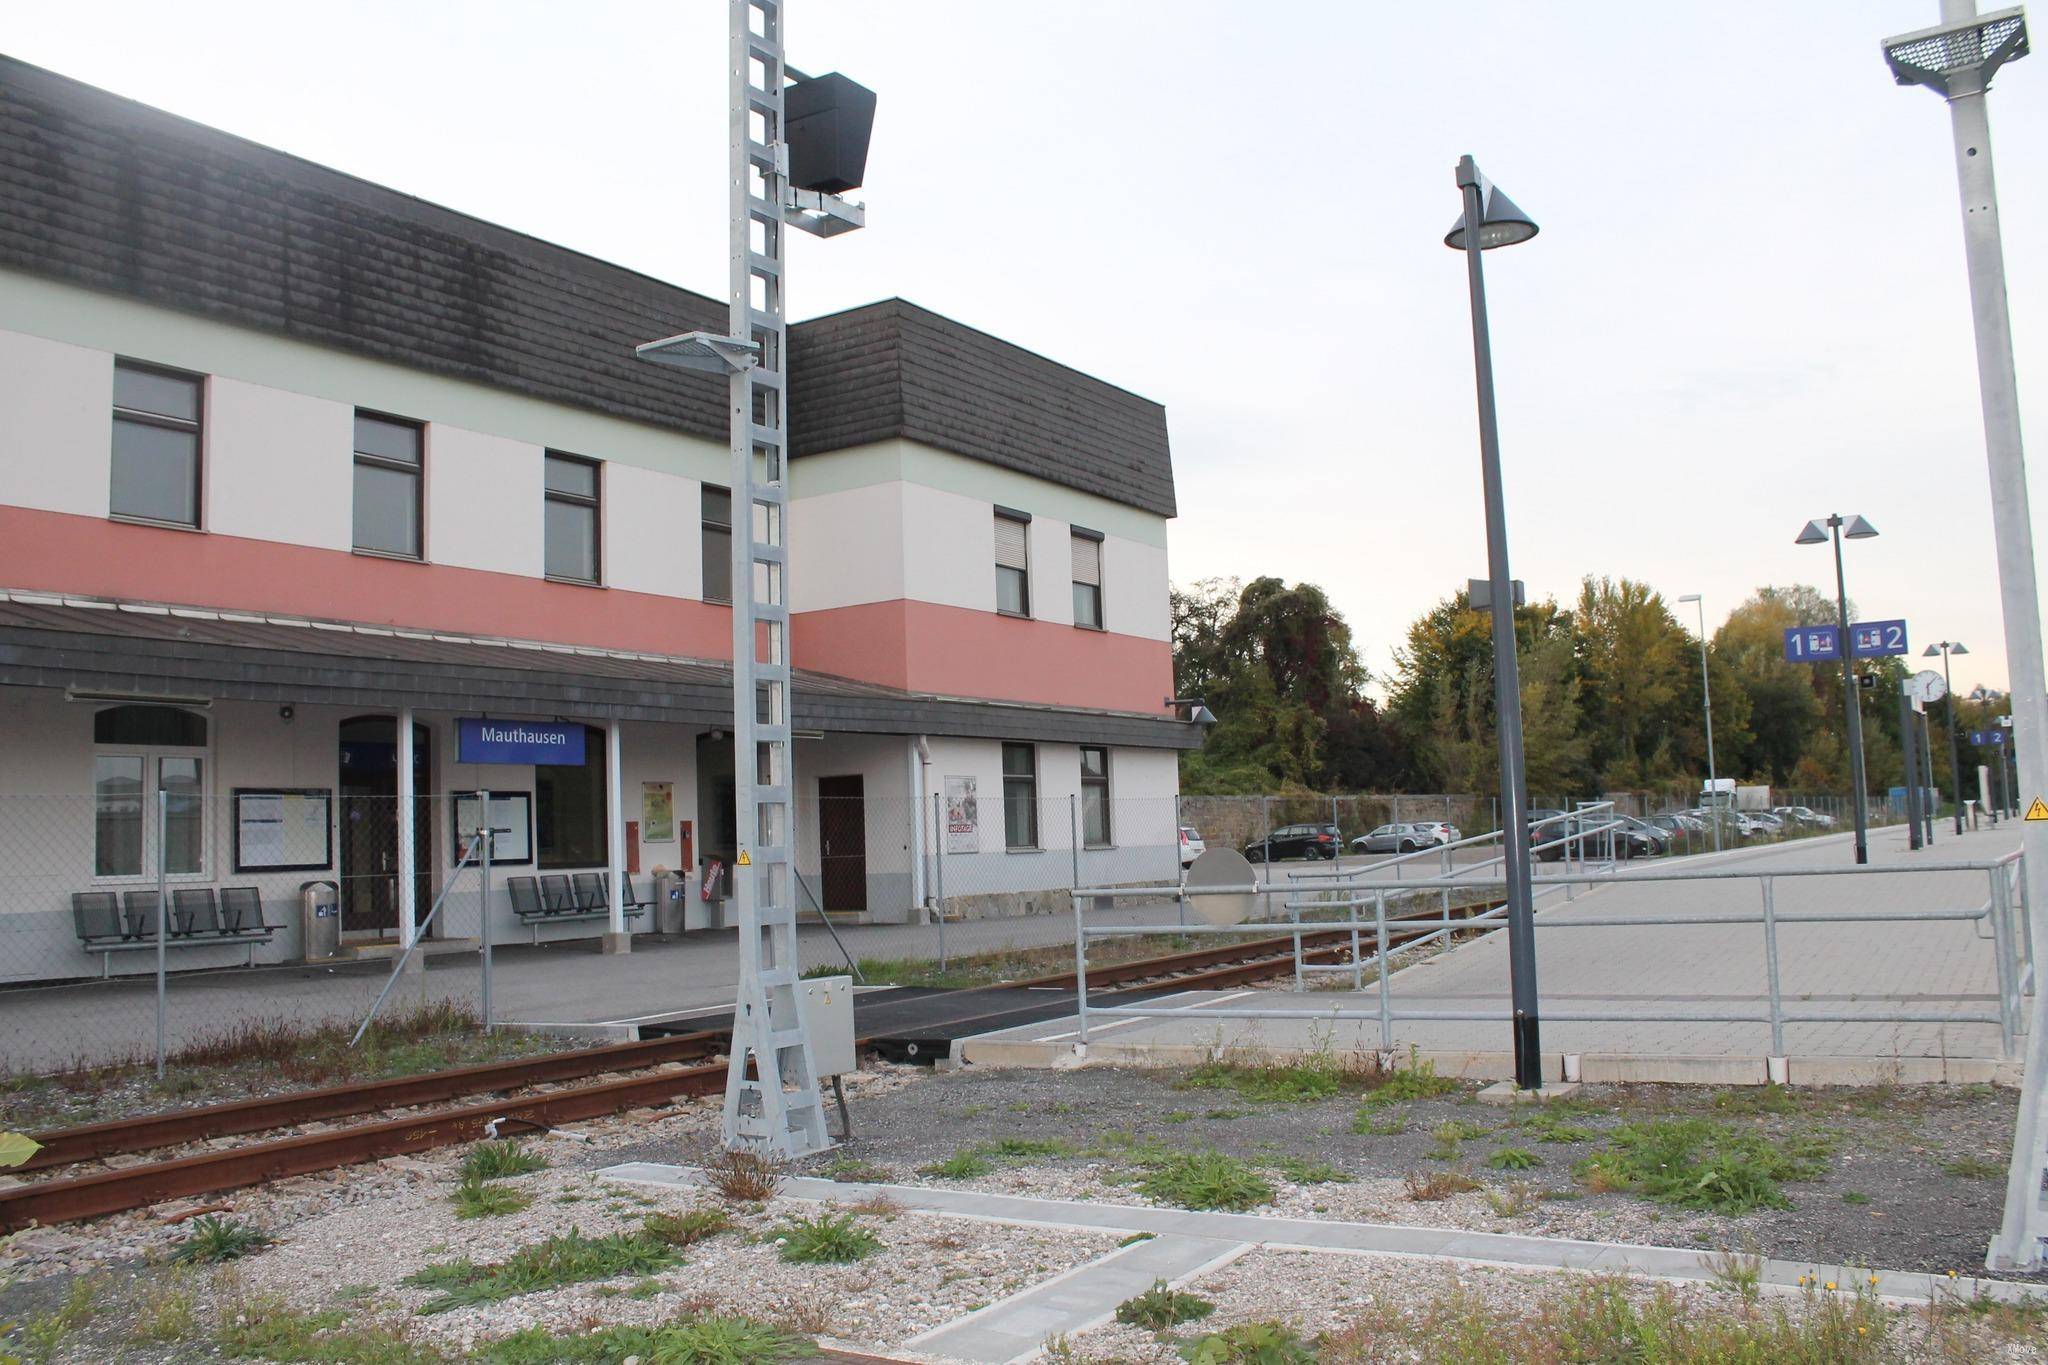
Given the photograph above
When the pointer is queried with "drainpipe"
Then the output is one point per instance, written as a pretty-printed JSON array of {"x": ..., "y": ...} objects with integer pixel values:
[{"x": 920, "y": 783}]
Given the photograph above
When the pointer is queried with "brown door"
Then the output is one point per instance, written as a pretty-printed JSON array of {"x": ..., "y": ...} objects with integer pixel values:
[
  {"x": 369, "y": 818},
  {"x": 843, "y": 843}
]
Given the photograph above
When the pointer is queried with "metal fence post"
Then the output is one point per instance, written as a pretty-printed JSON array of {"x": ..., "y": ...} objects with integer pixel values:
[
  {"x": 1180, "y": 869},
  {"x": 1771, "y": 968},
  {"x": 2001, "y": 934},
  {"x": 487, "y": 834},
  {"x": 1379, "y": 915},
  {"x": 1074, "y": 838},
  {"x": 939, "y": 879},
  {"x": 1266, "y": 830},
  {"x": 163, "y": 915},
  {"x": 1397, "y": 838},
  {"x": 1080, "y": 979}
]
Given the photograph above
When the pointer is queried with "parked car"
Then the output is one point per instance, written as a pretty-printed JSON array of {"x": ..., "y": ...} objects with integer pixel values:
[
  {"x": 1191, "y": 845},
  {"x": 1547, "y": 825},
  {"x": 1446, "y": 832},
  {"x": 1295, "y": 841},
  {"x": 1404, "y": 838},
  {"x": 1670, "y": 824},
  {"x": 1804, "y": 815},
  {"x": 1766, "y": 822}
]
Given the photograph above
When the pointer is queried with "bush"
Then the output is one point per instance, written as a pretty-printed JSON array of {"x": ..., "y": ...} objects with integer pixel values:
[
  {"x": 1205, "y": 1180},
  {"x": 1250, "y": 1343},
  {"x": 1160, "y": 1307},
  {"x": 833, "y": 1239},
  {"x": 745, "y": 1175}
]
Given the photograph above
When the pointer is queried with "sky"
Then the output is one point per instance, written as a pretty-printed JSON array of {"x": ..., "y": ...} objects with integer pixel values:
[{"x": 1746, "y": 308}]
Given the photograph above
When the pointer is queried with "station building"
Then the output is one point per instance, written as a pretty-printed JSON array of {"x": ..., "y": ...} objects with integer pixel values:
[{"x": 301, "y": 477}]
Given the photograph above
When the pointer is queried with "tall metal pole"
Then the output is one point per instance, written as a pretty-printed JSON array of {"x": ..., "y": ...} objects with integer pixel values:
[
  {"x": 1507, "y": 686},
  {"x": 163, "y": 917},
  {"x": 1910, "y": 744},
  {"x": 1927, "y": 805},
  {"x": 1707, "y": 692},
  {"x": 1851, "y": 702},
  {"x": 1955, "y": 761}
]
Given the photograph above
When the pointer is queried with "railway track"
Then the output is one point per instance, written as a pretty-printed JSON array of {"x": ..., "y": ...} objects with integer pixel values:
[{"x": 661, "y": 1070}]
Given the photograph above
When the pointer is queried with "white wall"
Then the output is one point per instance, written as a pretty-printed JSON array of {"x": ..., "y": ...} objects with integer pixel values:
[
  {"x": 653, "y": 532},
  {"x": 56, "y": 425},
  {"x": 484, "y": 502},
  {"x": 949, "y": 548},
  {"x": 269, "y": 465},
  {"x": 847, "y": 547}
]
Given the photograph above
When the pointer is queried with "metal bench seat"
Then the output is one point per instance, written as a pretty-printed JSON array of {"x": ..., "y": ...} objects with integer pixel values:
[
  {"x": 563, "y": 898},
  {"x": 107, "y": 924}
]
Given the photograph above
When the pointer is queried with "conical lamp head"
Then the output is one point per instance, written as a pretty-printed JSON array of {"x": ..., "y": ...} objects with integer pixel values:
[
  {"x": 1501, "y": 224},
  {"x": 1858, "y": 529}
]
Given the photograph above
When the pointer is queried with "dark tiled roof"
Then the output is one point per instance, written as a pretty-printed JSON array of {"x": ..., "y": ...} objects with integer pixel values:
[
  {"x": 111, "y": 194},
  {"x": 244, "y": 656}
]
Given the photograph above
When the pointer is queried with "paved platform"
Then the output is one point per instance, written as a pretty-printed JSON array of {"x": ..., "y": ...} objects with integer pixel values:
[{"x": 1710, "y": 970}]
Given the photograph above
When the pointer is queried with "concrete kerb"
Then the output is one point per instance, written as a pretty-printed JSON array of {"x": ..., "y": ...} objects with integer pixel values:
[{"x": 1505, "y": 1250}]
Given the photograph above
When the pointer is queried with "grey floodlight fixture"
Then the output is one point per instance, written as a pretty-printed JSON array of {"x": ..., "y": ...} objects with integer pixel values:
[
  {"x": 1933, "y": 56},
  {"x": 1500, "y": 223},
  {"x": 1931, "y": 652},
  {"x": 1856, "y": 528},
  {"x": 705, "y": 352},
  {"x": 1198, "y": 712},
  {"x": 1689, "y": 598},
  {"x": 1958, "y": 649},
  {"x": 1816, "y": 533}
]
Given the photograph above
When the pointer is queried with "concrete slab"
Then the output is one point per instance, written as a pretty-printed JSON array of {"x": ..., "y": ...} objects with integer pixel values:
[
  {"x": 1084, "y": 1297},
  {"x": 1379, "y": 1239},
  {"x": 1506, "y": 1094}
]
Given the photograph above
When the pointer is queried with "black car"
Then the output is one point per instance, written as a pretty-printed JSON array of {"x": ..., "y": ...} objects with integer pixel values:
[{"x": 1296, "y": 841}]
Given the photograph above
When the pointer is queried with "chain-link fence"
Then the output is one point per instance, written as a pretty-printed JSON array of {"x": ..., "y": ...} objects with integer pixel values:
[{"x": 158, "y": 920}]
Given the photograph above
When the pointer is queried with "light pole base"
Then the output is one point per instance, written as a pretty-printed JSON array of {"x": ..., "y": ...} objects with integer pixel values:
[{"x": 1507, "y": 1092}]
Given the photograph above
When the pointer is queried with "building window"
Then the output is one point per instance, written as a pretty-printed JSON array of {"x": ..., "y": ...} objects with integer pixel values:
[
  {"x": 1020, "y": 796},
  {"x": 717, "y": 544},
  {"x": 140, "y": 751},
  {"x": 1087, "y": 578},
  {"x": 572, "y": 518},
  {"x": 1095, "y": 796},
  {"x": 156, "y": 445},
  {"x": 1013, "y": 563},
  {"x": 388, "y": 460},
  {"x": 569, "y": 808}
]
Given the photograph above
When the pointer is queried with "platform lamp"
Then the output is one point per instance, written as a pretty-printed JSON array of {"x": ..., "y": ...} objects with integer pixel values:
[
  {"x": 1193, "y": 710},
  {"x": 1839, "y": 528},
  {"x": 1491, "y": 220},
  {"x": 1955, "y": 763},
  {"x": 1707, "y": 699}
]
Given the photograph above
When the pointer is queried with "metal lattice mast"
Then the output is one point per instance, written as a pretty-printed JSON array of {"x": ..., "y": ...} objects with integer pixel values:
[{"x": 777, "y": 1107}]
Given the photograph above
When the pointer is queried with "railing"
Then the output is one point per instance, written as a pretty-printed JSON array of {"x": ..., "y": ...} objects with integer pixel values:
[{"x": 2003, "y": 914}]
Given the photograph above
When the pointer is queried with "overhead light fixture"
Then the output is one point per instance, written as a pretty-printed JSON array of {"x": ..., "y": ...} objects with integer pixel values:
[
  {"x": 1500, "y": 223},
  {"x": 1816, "y": 533},
  {"x": 1857, "y": 528}
]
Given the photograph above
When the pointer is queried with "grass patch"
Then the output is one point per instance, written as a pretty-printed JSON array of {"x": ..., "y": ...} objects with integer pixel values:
[
  {"x": 744, "y": 1175},
  {"x": 1425, "y": 1187},
  {"x": 1701, "y": 1164},
  {"x": 1517, "y": 1198},
  {"x": 1770, "y": 1098},
  {"x": 270, "y": 1329},
  {"x": 475, "y": 1199},
  {"x": 965, "y": 1164},
  {"x": 1544, "y": 1124},
  {"x": 1855, "y": 1197},
  {"x": 687, "y": 1228},
  {"x": 1974, "y": 1168},
  {"x": 856, "y": 1171},
  {"x": 1160, "y": 1307},
  {"x": 1318, "y": 1076},
  {"x": 827, "y": 1239},
  {"x": 1026, "y": 1149},
  {"x": 1416, "y": 1081},
  {"x": 1205, "y": 1180},
  {"x": 570, "y": 1258},
  {"x": 1449, "y": 1135},
  {"x": 168, "y": 1313},
  {"x": 1304, "y": 1171},
  {"x": 214, "y": 1240},
  {"x": 500, "y": 1160},
  {"x": 1380, "y": 1123},
  {"x": 1514, "y": 1159},
  {"x": 700, "y": 1339},
  {"x": 1250, "y": 1343}
]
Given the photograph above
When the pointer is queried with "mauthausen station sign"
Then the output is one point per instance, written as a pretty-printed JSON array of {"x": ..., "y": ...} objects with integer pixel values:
[{"x": 558, "y": 743}]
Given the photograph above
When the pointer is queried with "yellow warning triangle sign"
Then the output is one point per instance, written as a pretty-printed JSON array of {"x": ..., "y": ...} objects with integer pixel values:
[
  {"x": 746, "y": 860},
  {"x": 2039, "y": 810}
]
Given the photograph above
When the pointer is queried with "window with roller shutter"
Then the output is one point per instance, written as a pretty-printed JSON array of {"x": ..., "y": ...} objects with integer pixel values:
[
  {"x": 1013, "y": 564},
  {"x": 1087, "y": 579}
]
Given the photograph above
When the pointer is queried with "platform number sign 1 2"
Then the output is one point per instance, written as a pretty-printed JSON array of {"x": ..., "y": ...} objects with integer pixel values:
[{"x": 1877, "y": 639}]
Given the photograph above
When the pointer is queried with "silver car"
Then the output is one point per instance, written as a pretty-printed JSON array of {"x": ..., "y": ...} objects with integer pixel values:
[{"x": 1403, "y": 838}]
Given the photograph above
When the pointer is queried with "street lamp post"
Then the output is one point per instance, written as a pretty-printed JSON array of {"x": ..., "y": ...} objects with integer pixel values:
[
  {"x": 1491, "y": 220},
  {"x": 1819, "y": 533},
  {"x": 1707, "y": 695},
  {"x": 1955, "y": 763}
]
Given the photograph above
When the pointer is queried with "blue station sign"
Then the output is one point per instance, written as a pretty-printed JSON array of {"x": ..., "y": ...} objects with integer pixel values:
[
  {"x": 555, "y": 742},
  {"x": 1877, "y": 639},
  {"x": 1813, "y": 644},
  {"x": 1994, "y": 738}
]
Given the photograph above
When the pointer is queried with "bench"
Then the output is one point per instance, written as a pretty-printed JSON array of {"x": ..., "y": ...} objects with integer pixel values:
[
  {"x": 107, "y": 924},
  {"x": 559, "y": 898}
]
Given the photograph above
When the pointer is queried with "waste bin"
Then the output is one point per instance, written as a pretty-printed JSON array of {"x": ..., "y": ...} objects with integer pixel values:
[
  {"x": 320, "y": 919},
  {"x": 669, "y": 890}
]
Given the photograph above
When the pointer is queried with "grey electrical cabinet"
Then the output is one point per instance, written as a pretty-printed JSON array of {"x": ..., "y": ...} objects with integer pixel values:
[{"x": 827, "y": 1005}]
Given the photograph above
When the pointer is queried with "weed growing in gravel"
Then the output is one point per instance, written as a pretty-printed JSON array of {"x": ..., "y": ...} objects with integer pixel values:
[
  {"x": 214, "y": 1240},
  {"x": 744, "y": 1175},
  {"x": 965, "y": 1164},
  {"x": 1514, "y": 1159},
  {"x": 1250, "y": 1343},
  {"x": 1027, "y": 1149},
  {"x": 1739, "y": 1272},
  {"x": 1855, "y": 1197},
  {"x": 570, "y": 1258},
  {"x": 705, "y": 1339},
  {"x": 1700, "y": 1164},
  {"x": 1303, "y": 1171},
  {"x": 687, "y": 1228},
  {"x": 834, "y": 1239},
  {"x": 1543, "y": 1124},
  {"x": 498, "y": 1160},
  {"x": 1416, "y": 1081},
  {"x": 1205, "y": 1180},
  {"x": 1448, "y": 1135},
  {"x": 271, "y": 1329},
  {"x": 1428, "y": 1186},
  {"x": 1318, "y": 1076},
  {"x": 1160, "y": 1307},
  {"x": 168, "y": 1312},
  {"x": 1387, "y": 1123},
  {"x": 854, "y": 1170},
  {"x": 475, "y": 1199},
  {"x": 1974, "y": 1168},
  {"x": 1769, "y": 1098},
  {"x": 1517, "y": 1198}
]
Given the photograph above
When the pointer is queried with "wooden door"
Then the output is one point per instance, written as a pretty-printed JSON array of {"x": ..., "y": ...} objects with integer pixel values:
[{"x": 843, "y": 843}]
